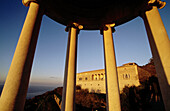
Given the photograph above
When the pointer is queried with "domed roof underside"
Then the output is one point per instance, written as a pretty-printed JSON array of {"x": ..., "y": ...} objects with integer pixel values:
[{"x": 93, "y": 14}]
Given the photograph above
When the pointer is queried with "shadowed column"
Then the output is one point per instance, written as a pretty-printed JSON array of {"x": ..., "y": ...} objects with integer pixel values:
[
  {"x": 160, "y": 46},
  {"x": 16, "y": 85},
  {"x": 112, "y": 86},
  {"x": 68, "y": 96}
]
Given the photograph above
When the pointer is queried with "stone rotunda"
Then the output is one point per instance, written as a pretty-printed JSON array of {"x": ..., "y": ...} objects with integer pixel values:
[{"x": 78, "y": 15}]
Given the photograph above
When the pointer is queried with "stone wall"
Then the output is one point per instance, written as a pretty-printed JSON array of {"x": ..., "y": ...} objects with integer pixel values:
[
  {"x": 128, "y": 75},
  {"x": 94, "y": 81}
]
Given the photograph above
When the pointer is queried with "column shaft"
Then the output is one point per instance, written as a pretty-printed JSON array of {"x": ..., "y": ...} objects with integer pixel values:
[
  {"x": 16, "y": 84},
  {"x": 112, "y": 86},
  {"x": 68, "y": 96},
  {"x": 160, "y": 46}
]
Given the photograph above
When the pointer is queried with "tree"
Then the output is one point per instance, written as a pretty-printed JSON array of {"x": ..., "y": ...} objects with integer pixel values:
[{"x": 151, "y": 61}]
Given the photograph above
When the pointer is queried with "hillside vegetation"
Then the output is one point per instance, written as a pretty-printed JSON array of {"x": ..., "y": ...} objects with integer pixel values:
[{"x": 146, "y": 97}]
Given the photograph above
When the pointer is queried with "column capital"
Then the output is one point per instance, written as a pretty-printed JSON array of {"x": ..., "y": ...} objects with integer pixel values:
[
  {"x": 106, "y": 27},
  {"x": 74, "y": 25},
  {"x": 160, "y": 4},
  {"x": 27, "y": 2}
]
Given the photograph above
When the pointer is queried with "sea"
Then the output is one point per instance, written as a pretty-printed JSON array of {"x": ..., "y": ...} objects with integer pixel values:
[{"x": 35, "y": 90}]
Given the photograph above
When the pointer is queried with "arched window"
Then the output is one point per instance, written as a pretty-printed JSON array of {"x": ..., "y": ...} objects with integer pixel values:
[
  {"x": 102, "y": 76},
  {"x": 95, "y": 77},
  {"x": 126, "y": 76},
  {"x": 80, "y": 79},
  {"x": 92, "y": 77}
]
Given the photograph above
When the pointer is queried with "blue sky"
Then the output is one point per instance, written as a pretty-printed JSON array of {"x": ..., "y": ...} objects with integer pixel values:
[{"x": 130, "y": 40}]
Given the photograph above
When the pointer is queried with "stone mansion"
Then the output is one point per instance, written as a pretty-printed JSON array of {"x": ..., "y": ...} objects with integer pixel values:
[{"x": 94, "y": 81}]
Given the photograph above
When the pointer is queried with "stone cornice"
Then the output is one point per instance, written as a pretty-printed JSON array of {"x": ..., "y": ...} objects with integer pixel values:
[
  {"x": 75, "y": 25},
  {"x": 160, "y": 4},
  {"x": 27, "y": 2}
]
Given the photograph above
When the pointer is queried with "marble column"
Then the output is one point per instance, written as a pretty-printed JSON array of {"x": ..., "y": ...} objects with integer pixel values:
[
  {"x": 68, "y": 96},
  {"x": 112, "y": 86},
  {"x": 160, "y": 47},
  {"x": 15, "y": 89}
]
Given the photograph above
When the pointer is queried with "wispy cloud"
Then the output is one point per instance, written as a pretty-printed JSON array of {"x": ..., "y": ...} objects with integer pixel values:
[{"x": 53, "y": 77}]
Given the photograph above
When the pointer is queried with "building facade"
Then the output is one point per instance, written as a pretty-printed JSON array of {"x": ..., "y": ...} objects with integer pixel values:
[{"x": 94, "y": 81}]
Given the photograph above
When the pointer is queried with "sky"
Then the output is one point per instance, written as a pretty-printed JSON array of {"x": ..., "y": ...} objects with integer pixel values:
[{"x": 130, "y": 40}]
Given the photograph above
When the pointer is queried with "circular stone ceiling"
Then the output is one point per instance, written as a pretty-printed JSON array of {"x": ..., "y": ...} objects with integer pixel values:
[{"x": 93, "y": 14}]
